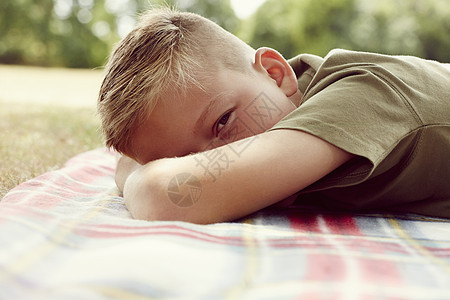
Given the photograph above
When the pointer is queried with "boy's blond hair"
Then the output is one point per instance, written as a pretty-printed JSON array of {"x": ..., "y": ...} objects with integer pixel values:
[{"x": 167, "y": 51}]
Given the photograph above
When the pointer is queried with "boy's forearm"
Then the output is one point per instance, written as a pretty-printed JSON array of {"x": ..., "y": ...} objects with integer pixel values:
[
  {"x": 172, "y": 189},
  {"x": 230, "y": 182},
  {"x": 177, "y": 189}
]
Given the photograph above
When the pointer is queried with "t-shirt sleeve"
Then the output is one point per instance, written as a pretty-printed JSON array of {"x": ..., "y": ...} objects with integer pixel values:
[{"x": 359, "y": 111}]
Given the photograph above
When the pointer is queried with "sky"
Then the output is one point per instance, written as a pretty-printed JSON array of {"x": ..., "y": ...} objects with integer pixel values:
[{"x": 244, "y": 8}]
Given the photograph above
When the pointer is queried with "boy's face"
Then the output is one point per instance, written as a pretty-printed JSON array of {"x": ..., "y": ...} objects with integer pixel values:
[{"x": 231, "y": 107}]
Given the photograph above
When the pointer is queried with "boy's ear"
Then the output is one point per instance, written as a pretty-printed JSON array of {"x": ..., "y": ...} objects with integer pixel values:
[{"x": 270, "y": 61}]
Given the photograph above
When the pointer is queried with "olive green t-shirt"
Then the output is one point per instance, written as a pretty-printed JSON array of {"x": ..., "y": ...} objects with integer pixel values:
[{"x": 393, "y": 113}]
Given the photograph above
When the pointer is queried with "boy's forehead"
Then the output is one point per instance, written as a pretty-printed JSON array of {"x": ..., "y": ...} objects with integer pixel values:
[{"x": 208, "y": 88}]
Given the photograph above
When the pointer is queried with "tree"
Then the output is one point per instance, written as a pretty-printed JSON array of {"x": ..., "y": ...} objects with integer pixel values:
[
  {"x": 80, "y": 33},
  {"x": 416, "y": 27},
  {"x": 293, "y": 26},
  {"x": 51, "y": 33},
  {"x": 419, "y": 27},
  {"x": 219, "y": 11}
]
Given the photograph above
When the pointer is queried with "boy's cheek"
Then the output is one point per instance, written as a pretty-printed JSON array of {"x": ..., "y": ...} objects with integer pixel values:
[
  {"x": 258, "y": 116},
  {"x": 240, "y": 129},
  {"x": 237, "y": 131},
  {"x": 263, "y": 112},
  {"x": 244, "y": 127}
]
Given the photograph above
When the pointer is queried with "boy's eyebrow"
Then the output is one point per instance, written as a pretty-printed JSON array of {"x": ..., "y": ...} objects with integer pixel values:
[{"x": 208, "y": 109}]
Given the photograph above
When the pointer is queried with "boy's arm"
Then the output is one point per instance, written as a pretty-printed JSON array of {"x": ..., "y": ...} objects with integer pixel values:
[
  {"x": 125, "y": 166},
  {"x": 273, "y": 166}
]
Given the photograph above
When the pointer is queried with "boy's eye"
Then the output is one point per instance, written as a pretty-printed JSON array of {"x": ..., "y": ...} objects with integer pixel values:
[{"x": 223, "y": 121}]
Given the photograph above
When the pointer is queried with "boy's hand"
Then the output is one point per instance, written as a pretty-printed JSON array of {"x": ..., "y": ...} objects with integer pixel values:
[{"x": 125, "y": 166}]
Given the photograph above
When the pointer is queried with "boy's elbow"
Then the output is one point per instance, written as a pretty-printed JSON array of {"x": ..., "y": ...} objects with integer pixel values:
[
  {"x": 145, "y": 196},
  {"x": 147, "y": 190}
]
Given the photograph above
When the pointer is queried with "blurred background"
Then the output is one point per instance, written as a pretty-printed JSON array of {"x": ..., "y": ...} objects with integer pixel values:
[
  {"x": 80, "y": 33},
  {"x": 52, "y": 53}
]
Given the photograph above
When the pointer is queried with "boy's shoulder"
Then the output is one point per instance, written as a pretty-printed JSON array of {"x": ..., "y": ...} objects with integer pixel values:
[{"x": 391, "y": 112}]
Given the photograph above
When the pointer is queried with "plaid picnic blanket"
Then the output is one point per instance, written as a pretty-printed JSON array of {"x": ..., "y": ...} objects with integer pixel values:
[{"x": 67, "y": 235}]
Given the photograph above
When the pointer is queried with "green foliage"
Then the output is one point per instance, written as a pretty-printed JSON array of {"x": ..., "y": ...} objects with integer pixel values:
[
  {"x": 81, "y": 33},
  {"x": 293, "y": 26},
  {"x": 419, "y": 27},
  {"x": 219, "y": 11},
  {"x": 33, "y": 33}
]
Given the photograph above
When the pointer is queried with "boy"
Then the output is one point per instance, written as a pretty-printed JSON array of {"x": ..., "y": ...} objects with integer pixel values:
[{"x": 212, "y": 130}]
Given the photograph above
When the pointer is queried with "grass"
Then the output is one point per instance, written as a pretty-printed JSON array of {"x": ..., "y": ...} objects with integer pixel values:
[{"x": 35, "y": 139}]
